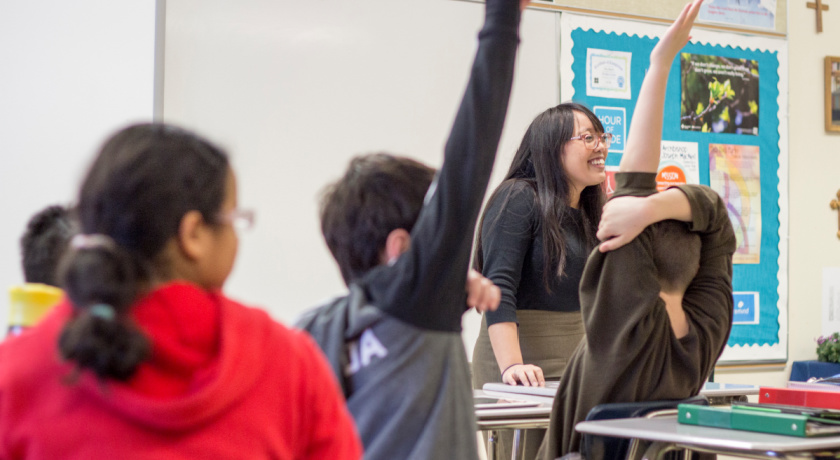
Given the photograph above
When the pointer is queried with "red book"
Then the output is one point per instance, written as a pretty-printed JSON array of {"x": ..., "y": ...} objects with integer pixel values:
[{"x": 800, "y": 397}]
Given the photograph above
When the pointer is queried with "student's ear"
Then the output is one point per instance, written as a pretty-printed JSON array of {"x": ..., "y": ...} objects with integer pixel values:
[
  {"x": 192, "y": 235},
  {"x": 398, "y": 241}
]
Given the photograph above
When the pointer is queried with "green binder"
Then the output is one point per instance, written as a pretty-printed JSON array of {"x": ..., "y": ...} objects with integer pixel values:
[{"x": 762, "y": 420}]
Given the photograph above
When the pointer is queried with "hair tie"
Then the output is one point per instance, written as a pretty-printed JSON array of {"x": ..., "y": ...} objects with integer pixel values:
[
  {"x": 94, "y": 240},
  {"x": 506, "y": 369},
  {"x": 103, "y": 311}
]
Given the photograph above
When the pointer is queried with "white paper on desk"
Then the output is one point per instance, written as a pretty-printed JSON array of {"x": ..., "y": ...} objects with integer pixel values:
[{"x": 831, "y": 300}]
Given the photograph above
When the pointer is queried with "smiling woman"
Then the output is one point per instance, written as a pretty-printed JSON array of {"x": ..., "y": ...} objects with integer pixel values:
[{"x": 536, "y": 232}]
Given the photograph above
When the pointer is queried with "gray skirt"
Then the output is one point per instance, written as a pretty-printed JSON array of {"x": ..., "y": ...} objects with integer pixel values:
[{"x": 546, "y": 338}]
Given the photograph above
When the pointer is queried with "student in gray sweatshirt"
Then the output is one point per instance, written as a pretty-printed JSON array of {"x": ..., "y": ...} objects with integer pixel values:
[{"x": 402, "y": 238}]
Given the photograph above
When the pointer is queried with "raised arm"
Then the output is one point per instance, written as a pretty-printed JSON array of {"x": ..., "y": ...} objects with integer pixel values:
[
  {"x": 426, "y": 285},
  {"x": 643, "y": 141}
]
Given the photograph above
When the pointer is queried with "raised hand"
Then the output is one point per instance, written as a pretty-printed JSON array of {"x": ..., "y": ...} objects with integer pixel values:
[
  {"x": 482, "y": 294},
  {"x": 677, "y": 35}
]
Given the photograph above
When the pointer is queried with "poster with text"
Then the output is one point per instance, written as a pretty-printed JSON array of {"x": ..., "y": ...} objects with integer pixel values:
[
  {"x": 719, "y": 94},
  {"x": 609, "y": 184},
  {"x": 678, "y": 164},
  {"x": 734, "y": 174},
  {"x": 760, "y": 14}
]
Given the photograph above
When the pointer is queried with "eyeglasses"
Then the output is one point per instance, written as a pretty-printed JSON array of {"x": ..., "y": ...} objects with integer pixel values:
[
  {"x": 240, "y": 219},
  {"x": 591, "y": 142}
]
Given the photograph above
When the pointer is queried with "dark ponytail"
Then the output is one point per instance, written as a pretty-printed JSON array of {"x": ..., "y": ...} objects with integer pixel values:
[{"x": 145, "y": 178}]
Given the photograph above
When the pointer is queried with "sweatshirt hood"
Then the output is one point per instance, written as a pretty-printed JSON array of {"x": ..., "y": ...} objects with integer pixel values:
[{"x": 206, "y": 354}]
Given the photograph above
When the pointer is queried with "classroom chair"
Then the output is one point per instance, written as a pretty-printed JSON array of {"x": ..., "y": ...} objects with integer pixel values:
[{"x": 604, "y": 447}]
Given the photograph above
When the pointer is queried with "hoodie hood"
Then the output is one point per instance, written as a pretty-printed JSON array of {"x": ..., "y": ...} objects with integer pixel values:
[{"x": 197, "y": 368}]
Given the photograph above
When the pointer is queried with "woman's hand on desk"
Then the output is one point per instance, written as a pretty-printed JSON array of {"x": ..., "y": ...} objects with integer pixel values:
[
  {"x": 482, "y": 294},
  {"x": 525, "y": 374}
]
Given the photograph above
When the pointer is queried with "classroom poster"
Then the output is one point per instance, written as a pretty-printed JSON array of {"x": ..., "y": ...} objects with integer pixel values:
[
  {"x": 608, "y": 73},
  {"x": 748, "y": 169},
  {"x": 609, "y": 184},
  {"x": 719, "y": 94},
  {"x": 678, "y": 164},
  {"x": 760, "y": 14},
  {"x": 745, "y": 306},
  {"x": 614, "y": 120},
  {"x": 734, "y": 173}
]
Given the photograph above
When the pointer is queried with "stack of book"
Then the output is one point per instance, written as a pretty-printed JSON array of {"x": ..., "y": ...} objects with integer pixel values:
[{"x": 802, "y": 409}]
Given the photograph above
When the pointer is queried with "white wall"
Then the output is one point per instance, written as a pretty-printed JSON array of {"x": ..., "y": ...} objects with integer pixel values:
[
  {"x": 71, "y": 73},
  {"x": 294, "y": 89}
]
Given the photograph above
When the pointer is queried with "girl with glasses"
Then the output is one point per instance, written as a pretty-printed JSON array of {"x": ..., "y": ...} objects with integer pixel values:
[{"x": 146, "y": 357}]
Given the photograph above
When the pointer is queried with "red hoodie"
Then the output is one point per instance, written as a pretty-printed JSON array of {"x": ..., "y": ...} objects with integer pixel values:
[{"x": 223, "y": 381}]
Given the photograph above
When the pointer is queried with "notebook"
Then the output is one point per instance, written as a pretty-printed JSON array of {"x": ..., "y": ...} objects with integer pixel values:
[
  {"x": 548, "y": 391},
  {"x": 758, "y": 419}
]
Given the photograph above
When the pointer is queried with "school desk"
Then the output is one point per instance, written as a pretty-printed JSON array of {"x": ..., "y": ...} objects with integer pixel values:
[
  {"x": 665, "y": 434},
  {"x": 493, "y": 419}
]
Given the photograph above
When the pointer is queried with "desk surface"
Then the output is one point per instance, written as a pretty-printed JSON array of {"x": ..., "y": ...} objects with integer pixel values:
[
  {"x": 514, "y": 414},
  {"x": 710, "y": 389},
  {"x": 667, "y": 429}
]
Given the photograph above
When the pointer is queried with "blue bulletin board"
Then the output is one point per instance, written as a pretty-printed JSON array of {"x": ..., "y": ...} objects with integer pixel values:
[{"x": 722, "y": 127}]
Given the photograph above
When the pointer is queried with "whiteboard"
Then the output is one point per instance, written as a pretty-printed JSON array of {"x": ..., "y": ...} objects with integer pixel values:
[{"x": 294, "y": 89}]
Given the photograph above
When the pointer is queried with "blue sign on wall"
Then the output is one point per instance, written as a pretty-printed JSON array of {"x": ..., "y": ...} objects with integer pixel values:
[
  {"x": 614, "y": 120},
  {"x": 746, "y": 308}
]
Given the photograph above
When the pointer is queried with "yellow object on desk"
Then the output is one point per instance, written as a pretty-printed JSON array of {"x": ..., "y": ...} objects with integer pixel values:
[{"x": 28, "y": 303}]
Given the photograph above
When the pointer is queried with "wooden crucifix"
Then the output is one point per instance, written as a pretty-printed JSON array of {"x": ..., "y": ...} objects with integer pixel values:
[
  {"x": 820, "y": 7},
  {"x": 835, "y": 204}
]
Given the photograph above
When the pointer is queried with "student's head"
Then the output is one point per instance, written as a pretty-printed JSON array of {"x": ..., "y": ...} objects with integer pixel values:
[
  {"x": 43, "y": 243},
  {"x": 368, "y": 214},
  {"x": 155, "y": 206},
  {"x": 565, "y": 173},
  {"x": 563, "y": 166},
  {"x": 676, "y": 255}
]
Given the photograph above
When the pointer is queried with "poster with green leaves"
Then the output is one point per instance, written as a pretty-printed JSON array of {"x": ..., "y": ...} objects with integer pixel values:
[{"x": 719, "y": 94}]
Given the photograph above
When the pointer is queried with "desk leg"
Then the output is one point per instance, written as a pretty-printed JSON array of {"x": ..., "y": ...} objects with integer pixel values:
[
  {"x": 492, "y": 446},
  {"x": 657, "y": 450},
  {"x": 516, "y": 452}
]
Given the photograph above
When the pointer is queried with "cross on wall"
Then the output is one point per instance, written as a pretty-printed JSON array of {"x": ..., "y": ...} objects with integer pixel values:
[
  {"x": 835, "y": 204},
  {"x": 819, "y": 6}
]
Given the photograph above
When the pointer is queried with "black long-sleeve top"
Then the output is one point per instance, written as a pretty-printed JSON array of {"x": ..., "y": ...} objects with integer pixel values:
[{"x": 512, "y": 248}]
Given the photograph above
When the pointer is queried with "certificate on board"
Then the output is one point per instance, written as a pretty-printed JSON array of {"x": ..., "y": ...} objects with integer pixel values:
[{"x": 608, "y": 73}]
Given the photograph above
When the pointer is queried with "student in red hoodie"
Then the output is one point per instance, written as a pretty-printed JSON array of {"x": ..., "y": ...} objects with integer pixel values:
[{"x": 147, "y": 358}]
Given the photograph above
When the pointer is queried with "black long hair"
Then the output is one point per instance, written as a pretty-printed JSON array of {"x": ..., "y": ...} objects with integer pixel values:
[
  {"x": 143, "y": 181},
  {"x": 537, "y": 163}
]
